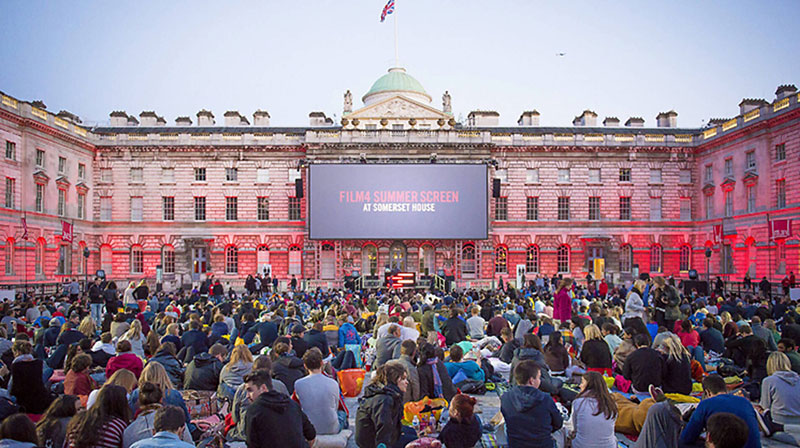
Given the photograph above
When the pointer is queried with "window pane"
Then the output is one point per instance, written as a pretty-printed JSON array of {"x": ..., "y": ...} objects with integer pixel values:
[
  {"x": 137, "y": 174},
  {"x": 501, "y": 174},
  {"x": 685, "y": 176},
  {"x": 263, "y": 209},
  {"x": 563, "y": 175},
  {"x": 686, "y": 209},
  {"x": 262, "y": 175},
  {"x": 501, "y": 209},
  {"x": 655, "y": 176},
  {"x": 532, "y": 176},
  {"x": 563, "y": 209},
  {"x": 136, "y": 209},
  {"x": 655, "y": 209},
  {"x": 169, "y": 208},
  {"x": 532, "y": 208},
  {"x": 594, "y": 175},
  {"x": 594, "y": 209},
  {"x": 625, "y": 208}
]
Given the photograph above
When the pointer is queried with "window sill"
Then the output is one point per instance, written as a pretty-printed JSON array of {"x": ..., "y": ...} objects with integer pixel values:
[
  {"x": 533, "y": 183},
  {"x": 599, "y": 184},
  {"x": 200, "y": 182},
  {"x": 230, "y": 183},
  {"x": 656, "y": 184},
  {"x": 625, "y": 182},
  {"x": 780, "y": 162},
  {"x": 563, "y": 183},
  {"x": 168, "y": 183}
]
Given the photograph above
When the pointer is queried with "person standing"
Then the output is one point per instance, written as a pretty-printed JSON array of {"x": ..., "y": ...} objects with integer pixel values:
[
  {"x": 96, "y": 301},
  {"x": 562, "y": 303}
]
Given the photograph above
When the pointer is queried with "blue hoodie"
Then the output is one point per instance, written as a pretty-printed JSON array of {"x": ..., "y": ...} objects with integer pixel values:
[
  {"x": 348, "y": 335},
  {"x": 531, "y": 416}
]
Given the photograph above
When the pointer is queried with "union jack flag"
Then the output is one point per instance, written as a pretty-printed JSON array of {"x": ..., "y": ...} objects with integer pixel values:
[{"x": 388, "y": 9}]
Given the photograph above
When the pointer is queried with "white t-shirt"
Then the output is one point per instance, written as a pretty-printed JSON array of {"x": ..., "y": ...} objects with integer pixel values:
[{"x": 405, "y": 332}]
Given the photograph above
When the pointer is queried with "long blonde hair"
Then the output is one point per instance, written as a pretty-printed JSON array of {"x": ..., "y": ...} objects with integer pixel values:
[
  {"x": 87, "y": 327},
  {"x": 638, "y": 285},
  {"x": 674, "y": 348},
  {"x": 155, "y": 373},
  {"x": 124, "y": 378},
  {"x": 135, "y": 332},
  {"x": 592, "y": 332},
  {"x": 172, "y": 329},
  {"x": 777, "y": 362},
  {"x": 725, "y": 317},
  {"x": 241, "y": 353}
]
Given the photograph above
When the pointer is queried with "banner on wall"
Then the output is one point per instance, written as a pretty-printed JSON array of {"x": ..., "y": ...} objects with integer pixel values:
[
  {"x": 717, "y": 234},
  {"x": 780, "y": 229}
]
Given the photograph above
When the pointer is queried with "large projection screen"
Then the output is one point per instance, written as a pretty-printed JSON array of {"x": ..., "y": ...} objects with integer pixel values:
[{"x": 398, "y": 201}]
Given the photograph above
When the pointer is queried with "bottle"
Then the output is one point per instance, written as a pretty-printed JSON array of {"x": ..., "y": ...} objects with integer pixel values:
[
  {"x": 415, "y": 424},
  {"x": 433, "y": 423}
]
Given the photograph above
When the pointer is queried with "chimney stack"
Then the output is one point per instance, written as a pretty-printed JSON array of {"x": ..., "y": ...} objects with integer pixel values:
[
  {"x": 261, "y": 118},
  {"x": 750, "y": 104},
  {"x": 784, "y": 91},
  {"x": 118, "y": 118},
  {"x": 611, "y": 122},
  {"x": 319, "y": 119},
  {"x": 234, "y": 118},
  {"x": 667, "y": 119},
  {"x": 635, "y": 122},
  {"x": 483, "y": 118},
  {"x": 587, "y": 118},
  {"x": 39, "y": 104},
  {"x": 205, "y": 118},
  {"x": 69, "y": 116},
  {"x": 183, "y": 121},
  {"x": 529, "y": 118},
  {"x": 148, "y": 118}
]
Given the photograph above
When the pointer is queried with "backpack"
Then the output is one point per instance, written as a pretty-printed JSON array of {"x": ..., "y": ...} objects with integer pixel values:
[{"x": 7, "y": 408}]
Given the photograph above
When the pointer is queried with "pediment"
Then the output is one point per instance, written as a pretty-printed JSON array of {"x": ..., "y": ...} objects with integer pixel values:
[{"x": 398, "y": 107}]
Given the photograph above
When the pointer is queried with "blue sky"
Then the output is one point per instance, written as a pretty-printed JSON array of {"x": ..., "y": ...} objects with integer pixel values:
[{"x": 623, "y": 58}]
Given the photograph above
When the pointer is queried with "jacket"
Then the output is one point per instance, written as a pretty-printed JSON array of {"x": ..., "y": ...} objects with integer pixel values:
[
  {"x": 536, "y": 356},
  {"x": 457, "y": 434},
  {"x": 196, "y": 339},
  {"x": 766, "y": 336},
  {"x": 454, "y": 331},
  {"x": 202, "y": 373},
  {"x": 596, "y": 354},
  {"x": 27, "y": 386},
  {"x": 288, "y": 369},
  {"x": 737, "y": 406},
  {"x": 676, "y": 376},
  {"x": 233, "y": 375},
  {"x": 562, "y": 306},
  {"x": 644, "y": 367},
  {"x": 780, "y": 394},
  {"x": 78, "y": 383},
  {"x": 142, "y": 428},
  {"x": 316, "y": 338},
  {"x": 387, "y": 349},
  {"x": 426, "y": 387},
  {"x": 348, "y": 335},
  {"x": 378, "y": 416},
  {"x": 165, "y": 439},
  {"x": 412, "y": 392},
  {"x": 124, "y": 361},
  {"x": 531, "y": 416},
  {"x": 273, "y": 419},
  {"x": 267, "y": 332},
  {"x": 470, "y": 369},
  {"x": 171, "y": 364}
]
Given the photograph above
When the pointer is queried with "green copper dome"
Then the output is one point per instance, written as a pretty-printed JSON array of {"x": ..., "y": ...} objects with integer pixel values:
[{"x": 397, "y": 80}]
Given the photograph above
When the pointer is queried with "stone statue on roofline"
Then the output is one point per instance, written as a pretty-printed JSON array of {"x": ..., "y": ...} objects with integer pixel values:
[
  {"x": 446, "y": 107},
  {"x": 348, "y": 102}
]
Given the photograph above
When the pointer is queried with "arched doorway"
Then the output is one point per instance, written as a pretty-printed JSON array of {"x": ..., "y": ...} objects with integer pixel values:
[
  {"x": 327, "y": 262},
  {"x": 426, "y": 259},
  {"x": 369, "y": 260},
  {"x": 397, "y": 257}
]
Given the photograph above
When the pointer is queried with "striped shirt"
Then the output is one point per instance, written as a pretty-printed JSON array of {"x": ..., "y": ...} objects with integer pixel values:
[{"x": 109, "y": 435}]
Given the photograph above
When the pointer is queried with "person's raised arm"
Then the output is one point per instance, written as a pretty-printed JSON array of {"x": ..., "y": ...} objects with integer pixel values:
[{"x": 695, "y": 426}]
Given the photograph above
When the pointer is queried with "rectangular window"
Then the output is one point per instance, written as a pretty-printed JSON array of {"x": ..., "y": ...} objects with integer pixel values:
[
  {"x": 501, "y": 209},
  {"x": 231, "y": 209},
  {"x": 11, "y": 150},
  {"x": 750, "y": 161},
  {"x": 294, "y": 174},
  {"x": 199, "y": 174},
  {"x": 262, "y": 175},
  {"x": 685, "y": 176},
  {"x": 563, "y": 208},
  {"x": 781, "y": 193},
  {"x": 728, "y": 204},
  {"x": 709, "y": 206},
  {"x": 137, "y": 174},
  {"x": 231, "y": 260},
  {"x": 686, "y": 209},
  {"x": 10, "y": 192},
  {"x": 655, "y": 176},
  {"x": 295, "y": 261},
  {"x": 263, "y": 209},
  {"x": 532, "y": 208},
  {"x": 729, "y": 167},
  {"x": 136, "y": 208},
  {"x": 625, "y": 208},
  {"x": 199, "y": 208},
  {"x": 532, "y": 176},
  {"x": 594, "y": 175},
  {"x": 169, "y": 261},
  {"x": 81, "y": 206},
  {"x": 40, "y": 158},
  {"x": 294, "y": 209},
  {"x": 9, "y": 252},
  {"x": 594, "y": 208},
  {"x": 780, "y": 152},
  {"x": 168, "y": 205},
  {"x": 137, "y": 261},
  {"x": 40, "y": 198},
  {"x": 81, "y": 171},
  {"x": 62, "y": 165},
  {"x": 563, "y": 175},
  {"x": 231, "y": 175},
  {"x": 624, "y": 174},
  {"x": 709, "y": 177},
  {"x": 501, "y": 174},
  {"x": 751, "y": 198},
  {"x": 105, "y": 208},
  {"x": 64, "y": 260},
  {"x": 106, "y": 175},
  {"x": 167, "y": 175},
  {"x": 62, "y": 202},
  {"x": 655, "y": 209}
]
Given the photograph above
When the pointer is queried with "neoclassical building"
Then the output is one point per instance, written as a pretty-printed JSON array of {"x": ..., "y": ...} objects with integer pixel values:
[{"x": 197, "y": 197}]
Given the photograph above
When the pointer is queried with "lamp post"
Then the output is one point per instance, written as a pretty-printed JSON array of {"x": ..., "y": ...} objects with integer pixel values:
[
  {"x": 708, "y": 269},
  {"x": 85, "y": 270}
]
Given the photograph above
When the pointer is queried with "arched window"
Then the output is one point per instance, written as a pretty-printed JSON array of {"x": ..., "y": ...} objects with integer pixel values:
[
  {"x": 468, "y": 261},
  {"x": 369, "y": 260},
  {"x": 532, "y": 260},
  {"x": 686, "y": 257},
  {"x": 426, "y": 259},
  {"x": 655, "y": 258},
  {"x": 168, "y": 259},
  {"x": 501, "y": 260},
  {"x": 9, "y": 261},
  {"x": 295, "y": 260},
  {"x": 231, "y": 260},
  {"x": 64, "y": 259},
  {"x": 137, "y": 260},
  {"x": 39, "y": 263},
  {"x": 105, "y": 259},
  {"x": 625, "y": 258},
  {"x": 563, "y": 259}
]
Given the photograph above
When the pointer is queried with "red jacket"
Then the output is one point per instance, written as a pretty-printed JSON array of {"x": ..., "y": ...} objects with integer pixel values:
[
  {"x": 562, "y": 306},
  {"x": 78, "y": 383},
  {"x": 124, "y": 361}
]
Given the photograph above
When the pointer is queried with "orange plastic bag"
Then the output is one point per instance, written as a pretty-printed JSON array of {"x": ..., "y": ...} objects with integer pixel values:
[
  {"x": 413, "y": 408},
  {"x": 351, "y": 381}
]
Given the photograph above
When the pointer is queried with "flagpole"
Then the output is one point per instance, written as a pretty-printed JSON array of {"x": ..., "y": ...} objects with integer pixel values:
[{"x": 396, "y": 52}]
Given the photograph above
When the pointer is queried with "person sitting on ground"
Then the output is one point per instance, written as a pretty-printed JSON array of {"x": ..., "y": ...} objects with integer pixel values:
[
  {"x": 408, "y": 351},
  {"x": 716, "y": 399},
  {"x": 555, "y": 354},
  {"x": 241, "y": 401},
  {"x": 173, "y": 336},
  {"x": 122, "y": 377},
  {"x": 531, "y": 415},
  {"x": 273, "y": 419},
  {"x": 316, "y": 337},
  {"x": 381, "y": 409},
  {"x": 506, "y": 352},
  {"x": 726, "y": 430},
  {"x": 463, "y": 430},
  {"x": 434, "y": 381},
  {"x": 780, "y": 392},
  {"x": 203, "y": 372},
  {"x": 710, "y": 338},
  {"x": 52, "y": 428},
  {"x": 677, "y": 369},
  {"x": 319, "y": 396},
  {"x": 611, "y": 336},
  {"x": 232, "y": 375},
  {"x": 150, "y": 398},
  {"x": 476, "y": 325},
  {"x": 104, "y": 423},
  {"x": 169, "y": 429},
  {"x": 218, "y": 329},
  {"x": 388, "y": 347},
  {"x": 763, "y": 333},
  {"x": 125, "y": 359},
  {"x": 468, "y": 369},
  {"x": 532, "y": 350},
  {"x": 299, "y": 345},
  {"x": 195, "y": 338},
  {"x": 27, "y": 385},
  {"x": 595, "y": 353},
  {"x": 454, "y": 329},
  {"x": 750, "y": 352},
  {"x": 78, "y": 381},
  {"x": 594, "y": 414},
  {"x": 644, "y": 366},
  {"x": 165, "y": 355},
  {"x": 136, "y": 338},
  {"x": 285, "y": 366},
  {"x": 787, "y": 347},
  {"x": 18, "y": 431},
  {"x": 154, "y": 373}
]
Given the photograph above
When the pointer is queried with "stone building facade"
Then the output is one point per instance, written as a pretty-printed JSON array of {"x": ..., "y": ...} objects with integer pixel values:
[{"x": 196, "y": 197}]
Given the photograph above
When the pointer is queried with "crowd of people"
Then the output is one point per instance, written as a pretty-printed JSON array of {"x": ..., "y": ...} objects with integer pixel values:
[{"x": 578, "y": 363}]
